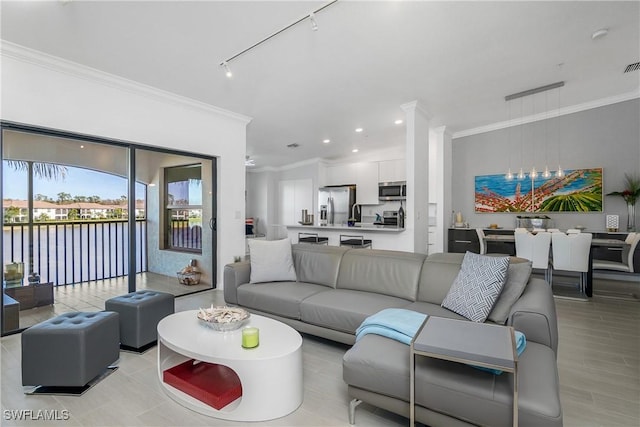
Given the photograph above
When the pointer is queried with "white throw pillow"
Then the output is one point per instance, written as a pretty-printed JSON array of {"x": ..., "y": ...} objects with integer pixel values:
[
  {"x": 271, "y": 261},
  {"x": 477, "y": 286}
]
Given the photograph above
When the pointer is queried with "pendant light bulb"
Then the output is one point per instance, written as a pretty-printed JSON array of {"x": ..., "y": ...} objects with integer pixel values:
[
  {"x": 534, "y": 173},
  {"x": 509, "y": 175},
  {"x": 521, "y": 174},
  {"x": 546, "y": 173},
  {"x": 560, "y": 172},
  {"x": 227, "y": 70}
]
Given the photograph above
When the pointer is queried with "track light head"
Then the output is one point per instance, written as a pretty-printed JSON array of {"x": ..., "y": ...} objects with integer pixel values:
[
  {"x": 314, "y": 24},
  {"x": 227, "y": 70}
]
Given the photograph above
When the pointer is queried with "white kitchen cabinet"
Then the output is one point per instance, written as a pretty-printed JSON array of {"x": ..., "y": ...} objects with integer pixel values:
[
  {"x": 342, "y": 174},
  {"x": 392, "y": 170},
  {"x": 293, "y": 197},
  {"x": 367, "y": 183}
]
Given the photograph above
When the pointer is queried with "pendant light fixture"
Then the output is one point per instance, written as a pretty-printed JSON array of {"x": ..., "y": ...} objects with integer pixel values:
[
  {"x": 533, "y": 173},
  {"x": 546, "y": 174},
  {"x": 521, "y": 174},
  {"x": 559, "y": 172},
  {"x": 509, "y": 176}
]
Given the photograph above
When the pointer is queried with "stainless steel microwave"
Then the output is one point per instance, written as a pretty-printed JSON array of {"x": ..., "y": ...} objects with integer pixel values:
[{"x": 392, "y": 190}]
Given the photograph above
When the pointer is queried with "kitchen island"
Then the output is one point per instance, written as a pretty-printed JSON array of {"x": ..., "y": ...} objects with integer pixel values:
[{"x": 381, "y": 236}]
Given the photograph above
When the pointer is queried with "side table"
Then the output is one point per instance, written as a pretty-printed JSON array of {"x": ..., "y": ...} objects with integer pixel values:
[{"x": 479, "y": 344}]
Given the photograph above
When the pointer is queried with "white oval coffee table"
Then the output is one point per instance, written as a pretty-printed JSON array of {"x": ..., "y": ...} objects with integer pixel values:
[{"x": 270, "y": 374}]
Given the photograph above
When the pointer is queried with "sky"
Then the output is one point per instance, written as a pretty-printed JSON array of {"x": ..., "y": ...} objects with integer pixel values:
[{"x": 78, "y": 182}]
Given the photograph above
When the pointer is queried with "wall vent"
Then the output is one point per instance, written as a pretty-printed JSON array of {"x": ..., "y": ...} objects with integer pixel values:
[{"x": 632, "y": 67}]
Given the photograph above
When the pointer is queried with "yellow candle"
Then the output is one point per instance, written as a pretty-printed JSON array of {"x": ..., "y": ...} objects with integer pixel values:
[{"x": 250, "y": 337}]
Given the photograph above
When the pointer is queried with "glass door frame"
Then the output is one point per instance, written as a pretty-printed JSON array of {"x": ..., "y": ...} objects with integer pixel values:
[{"x": 132, "y": 148}]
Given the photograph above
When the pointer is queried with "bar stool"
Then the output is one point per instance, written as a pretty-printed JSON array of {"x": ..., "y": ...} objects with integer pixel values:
[
  {"x": 313, "y": 239},
  {"x": 354, "y": 241}
]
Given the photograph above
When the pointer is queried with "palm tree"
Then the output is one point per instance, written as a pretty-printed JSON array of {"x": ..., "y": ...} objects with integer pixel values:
[{"x": 41, "y": 170}]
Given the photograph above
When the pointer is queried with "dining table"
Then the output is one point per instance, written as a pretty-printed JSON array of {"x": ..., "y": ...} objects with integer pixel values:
[{"x": 595, "y": 242}]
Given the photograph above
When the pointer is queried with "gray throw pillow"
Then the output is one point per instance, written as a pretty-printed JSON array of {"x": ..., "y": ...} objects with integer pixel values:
[
  {"x": 517, "y": 278},
  {"x": 271, "y": 261},
  {"x": 477, "y": 286}
]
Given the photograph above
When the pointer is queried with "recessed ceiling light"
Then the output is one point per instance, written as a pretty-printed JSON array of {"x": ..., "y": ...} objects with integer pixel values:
[
  {"x": 398, "y": 122},
  {"x": 355, "y": 150},
  {"x": 326, "y": 141},
  {"x": 359, "y": 129},
  {"x": 151, "y": 184},
  {"x": 82, "y": 146}
]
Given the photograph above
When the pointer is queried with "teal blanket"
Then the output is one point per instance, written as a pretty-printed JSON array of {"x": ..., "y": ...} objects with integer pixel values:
[{"x": 396, "y": 323}]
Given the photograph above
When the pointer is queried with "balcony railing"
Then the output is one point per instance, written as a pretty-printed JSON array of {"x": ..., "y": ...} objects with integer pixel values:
[{"x": 76, "y": 251}]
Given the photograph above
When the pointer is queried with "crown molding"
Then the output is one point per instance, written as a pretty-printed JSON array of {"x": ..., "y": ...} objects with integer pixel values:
[
  {"x": 60, "y": 65},
  {"x": 416, "y": 106},
  {"x": 309, "y": 162},
  {"x": 550, "y": 114}
]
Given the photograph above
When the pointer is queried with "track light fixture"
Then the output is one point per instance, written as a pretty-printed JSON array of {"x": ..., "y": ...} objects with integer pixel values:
[
  {"x": 314, "y": 26},
  {"x": 227, "y": 70}
]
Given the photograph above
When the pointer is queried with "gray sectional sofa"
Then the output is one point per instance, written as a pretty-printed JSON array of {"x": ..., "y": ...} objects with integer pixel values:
[{"x": 337, "y": 288}]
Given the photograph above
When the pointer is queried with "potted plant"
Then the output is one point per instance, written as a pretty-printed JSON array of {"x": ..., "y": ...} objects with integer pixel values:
[{"x": 630, "y": 194}]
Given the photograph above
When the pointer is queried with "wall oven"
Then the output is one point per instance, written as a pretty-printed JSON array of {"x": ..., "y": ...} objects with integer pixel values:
[{"x": 392, "y": 190}]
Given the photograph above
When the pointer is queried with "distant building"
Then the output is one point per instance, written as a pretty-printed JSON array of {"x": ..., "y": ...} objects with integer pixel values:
[{"x": 16, "y": 211}]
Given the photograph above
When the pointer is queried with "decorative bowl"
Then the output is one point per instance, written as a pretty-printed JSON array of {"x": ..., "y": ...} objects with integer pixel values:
[
  {"x": 188, "y": 279},
  {"x": 223, "y": 318}
]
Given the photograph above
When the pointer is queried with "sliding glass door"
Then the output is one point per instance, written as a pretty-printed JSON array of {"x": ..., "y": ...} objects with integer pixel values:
[{"x": 72, "y": 237}]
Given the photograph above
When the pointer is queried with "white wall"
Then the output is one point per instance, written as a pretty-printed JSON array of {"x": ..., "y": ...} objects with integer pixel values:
[{"x": 44, "y": 91}]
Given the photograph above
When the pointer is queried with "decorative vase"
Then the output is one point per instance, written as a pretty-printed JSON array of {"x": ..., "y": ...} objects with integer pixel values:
[{"x": 631, "y": 216}]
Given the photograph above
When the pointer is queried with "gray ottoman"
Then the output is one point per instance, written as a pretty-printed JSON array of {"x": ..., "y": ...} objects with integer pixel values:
[
  {"x": 70, "y": 350},
  {"x": 140, "y": 313}
]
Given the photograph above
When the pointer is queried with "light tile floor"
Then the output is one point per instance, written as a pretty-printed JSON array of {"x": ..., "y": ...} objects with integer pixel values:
[{"x": 598, "y": 361}]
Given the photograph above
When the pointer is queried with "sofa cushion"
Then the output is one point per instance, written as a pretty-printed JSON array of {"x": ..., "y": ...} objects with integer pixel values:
[
  {"x": 433, "y": 310},
  {"x": 380, "y": 365},
  {"x": 438, "y": 273},
  {"x": 317, "y": 263},
  {"x": 281, "y": 298},
  {"x": 344, "y": 310},
  {"x": 517, "y": 277},
  {"x": 390, "y": 273},
  {"x": 477, "y": 286},
  {"x": 271, "y": 261}
]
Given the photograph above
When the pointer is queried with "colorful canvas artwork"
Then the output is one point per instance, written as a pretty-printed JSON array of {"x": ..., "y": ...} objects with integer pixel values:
[{"x": 579, "y": 190}]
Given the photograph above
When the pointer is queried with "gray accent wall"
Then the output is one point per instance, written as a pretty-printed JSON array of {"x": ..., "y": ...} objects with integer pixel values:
[{"x": 607, "y": 137}]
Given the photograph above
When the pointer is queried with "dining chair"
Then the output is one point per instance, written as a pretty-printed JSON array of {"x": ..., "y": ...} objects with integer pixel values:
[
  {"x": 521, "y": 230},
  {"x": 553, "y": 230},
  {"x": 483, "y": 244},
  {"x": 570, "y": 252},
  {"x": 573, "y": 231},
  {"x": 535, "y": 248},
  {"x": 628, "y": 253}
]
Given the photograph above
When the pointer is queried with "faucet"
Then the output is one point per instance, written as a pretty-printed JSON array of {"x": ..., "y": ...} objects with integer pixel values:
[{"x": 353, "y": 211}]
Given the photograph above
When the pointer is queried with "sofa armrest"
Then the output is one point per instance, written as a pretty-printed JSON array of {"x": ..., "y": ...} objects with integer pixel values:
[
  {"x": 534, "y": 314},
  {"x": 235, "y": 275}
]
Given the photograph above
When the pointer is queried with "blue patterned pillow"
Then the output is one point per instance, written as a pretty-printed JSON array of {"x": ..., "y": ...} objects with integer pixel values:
[{"x": 477, "y": 286}]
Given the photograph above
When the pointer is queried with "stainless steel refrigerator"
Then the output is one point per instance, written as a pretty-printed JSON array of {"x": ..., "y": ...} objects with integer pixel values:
[{"x": 338, "y": 203}]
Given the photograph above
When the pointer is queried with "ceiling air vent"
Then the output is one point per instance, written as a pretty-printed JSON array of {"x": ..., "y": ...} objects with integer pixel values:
[
  {"x": 632, "y": 67},
  {"x": 294, "y": 145}
]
